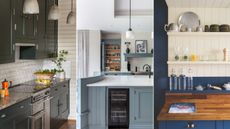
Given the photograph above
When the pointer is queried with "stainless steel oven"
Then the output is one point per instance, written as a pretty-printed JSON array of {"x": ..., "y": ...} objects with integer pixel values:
[{"x": 40, "y": 110}]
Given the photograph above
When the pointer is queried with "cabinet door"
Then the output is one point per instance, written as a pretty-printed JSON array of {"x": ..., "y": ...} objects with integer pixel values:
[
  {"x": 25, "y": 24},
  {"x": 6, "y": 34},
  {"x": 22, "y": 121},
  {"x": 64, "y": 103},
  {"x": 41, "y": 30},
  {"x": 51, "y": 32},
  {"x": 54, "y": 112},
  {"x": 141, "y": 105}
]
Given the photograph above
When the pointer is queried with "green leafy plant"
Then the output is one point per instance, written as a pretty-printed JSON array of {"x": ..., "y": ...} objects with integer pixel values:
[
  {"x": 60, "y": 59},
  {"x": 46, "y": 71}
]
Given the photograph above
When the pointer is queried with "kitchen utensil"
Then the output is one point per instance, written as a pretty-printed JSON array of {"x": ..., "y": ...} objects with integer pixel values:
[
  {"x": 199, "y": 88},
  {"x": 189, "y": 29},
  {"x": 206, "y": 28},
  {"x": 5, "y": 84},
  {"x": 227, "y": 86},
  {"x": 214, "y": 28},
  {"x": 224, "y": 28},
  {"x": 199, "y": 29},
  {"x": 172, "y": 27},
  {"x": 190, "y": 20}
]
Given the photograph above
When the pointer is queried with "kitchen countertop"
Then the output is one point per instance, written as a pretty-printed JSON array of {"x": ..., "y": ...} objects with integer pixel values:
[
  {"x": 18, "y": 96},
  {"x": 13, "y": 98},
  {"x": 212, "y": 106},
  {"x": 127, "y": 81}
]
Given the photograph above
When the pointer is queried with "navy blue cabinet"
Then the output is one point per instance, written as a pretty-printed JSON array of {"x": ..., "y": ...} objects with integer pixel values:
[{"x": 194, "y": 124}]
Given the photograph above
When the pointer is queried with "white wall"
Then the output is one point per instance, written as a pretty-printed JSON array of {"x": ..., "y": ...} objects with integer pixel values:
[
  {"x": 139, "y": 62},
  {"x": 99, "y": 15},
  {"x": 94, "y": 52},
  {"x": 67, "y": 41}
]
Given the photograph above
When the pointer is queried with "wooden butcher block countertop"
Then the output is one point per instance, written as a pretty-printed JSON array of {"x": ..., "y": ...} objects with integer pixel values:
[{"x": 213, "y": 106}]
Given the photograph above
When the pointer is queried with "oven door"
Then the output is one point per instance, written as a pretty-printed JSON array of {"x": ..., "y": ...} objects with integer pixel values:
[{"x": 37, "y": 120}]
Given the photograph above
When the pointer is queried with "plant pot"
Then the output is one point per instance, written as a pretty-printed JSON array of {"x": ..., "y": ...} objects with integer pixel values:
[{"x": 60, "y": 75}]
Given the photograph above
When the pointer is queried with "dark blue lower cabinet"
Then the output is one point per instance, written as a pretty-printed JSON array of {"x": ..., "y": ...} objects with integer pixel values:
[{"x": 194, "y": 124}]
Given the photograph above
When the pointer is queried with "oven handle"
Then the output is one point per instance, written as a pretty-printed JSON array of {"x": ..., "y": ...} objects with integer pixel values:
[{"x": 40, "y": 114}]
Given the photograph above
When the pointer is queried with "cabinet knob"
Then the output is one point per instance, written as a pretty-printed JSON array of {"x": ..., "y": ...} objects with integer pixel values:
[
  {"x": 3, "y": 115},
  {"x": 21, "y": 106},
  {"x": 190, "y": 125}
]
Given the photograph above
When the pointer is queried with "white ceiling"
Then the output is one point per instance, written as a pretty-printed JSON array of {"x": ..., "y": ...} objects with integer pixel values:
[{"x": 100, "y": 15}]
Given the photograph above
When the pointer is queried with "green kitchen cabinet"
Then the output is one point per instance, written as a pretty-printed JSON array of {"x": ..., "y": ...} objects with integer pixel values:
[
  {"x": 36, "y": 29},
  {"x": 59, "y": 104},
  {"x": 16, "y": 116},
  {"x": 51, "y": 32},
  {"x": 25, "y": 24},
  {"x": 7, "y": 36},
  {"x": 141, "y": 108}
]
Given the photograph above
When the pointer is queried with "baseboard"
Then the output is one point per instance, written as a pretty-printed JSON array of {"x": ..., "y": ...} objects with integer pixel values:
[{"x": 140, "y": 126}]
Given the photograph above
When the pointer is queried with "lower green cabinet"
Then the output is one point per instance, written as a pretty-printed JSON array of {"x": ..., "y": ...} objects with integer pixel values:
[
  {"x": 16, "y": 116},
  {"x": 141, "y": 111},
  {"x": 59, "y": 105}
]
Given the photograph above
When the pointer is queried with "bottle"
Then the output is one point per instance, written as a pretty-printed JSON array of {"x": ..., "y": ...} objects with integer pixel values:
[
  {"x": 182, "y": 81},
  {"x": 173, "y": 81},
  {"x": 190, "y": 79},
  {"x": 129, "y": 66}
]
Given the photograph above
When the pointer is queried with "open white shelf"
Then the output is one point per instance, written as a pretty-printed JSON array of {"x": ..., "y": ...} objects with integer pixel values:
[
  {"x": 198, "y": 3},
  {"x": 198, "y": 33},
  {"x": 198, "y": 62}
]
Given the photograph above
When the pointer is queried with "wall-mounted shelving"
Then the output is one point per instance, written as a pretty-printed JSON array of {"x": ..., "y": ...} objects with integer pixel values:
[
  {"x": 198, "y": 3},
  {"x": 198, "y": 33},
  {"x": 138, "y": 55},
  {"x": 198, "y": 63}
]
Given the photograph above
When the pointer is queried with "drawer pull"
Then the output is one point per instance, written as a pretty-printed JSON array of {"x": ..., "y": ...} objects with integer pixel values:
[
  {"x": 64, "y": 86},
  {"x": 56, "y": 89},
  {"x": 190, "y": 125},
  {"x": 21, "y": 106},
  {"x": 3, "y": 115}
]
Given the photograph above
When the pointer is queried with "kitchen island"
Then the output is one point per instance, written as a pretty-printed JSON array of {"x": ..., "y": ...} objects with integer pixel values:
[
  {"x": 212, "y": 111},
  {"x": 102, "y": 95}
]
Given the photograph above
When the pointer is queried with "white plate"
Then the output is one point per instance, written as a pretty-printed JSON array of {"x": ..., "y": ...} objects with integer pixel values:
[{"x": 189, "y": 20}]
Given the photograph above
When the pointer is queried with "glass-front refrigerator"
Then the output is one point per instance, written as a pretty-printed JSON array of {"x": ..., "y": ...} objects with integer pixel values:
[{"x": 118, "y": 108}]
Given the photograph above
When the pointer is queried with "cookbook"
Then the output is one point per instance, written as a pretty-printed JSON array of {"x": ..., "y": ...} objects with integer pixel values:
[{"x": 182, "y": 108}]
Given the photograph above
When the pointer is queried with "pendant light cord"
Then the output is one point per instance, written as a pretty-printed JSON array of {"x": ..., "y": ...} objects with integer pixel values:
[
  {"x": 72, "y": 5},
  {"x": 129, "y": 14}
]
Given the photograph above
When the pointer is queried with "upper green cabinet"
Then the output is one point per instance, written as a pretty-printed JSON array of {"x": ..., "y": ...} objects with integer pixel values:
[
  {"x": 35, "y": 29},
  {"x": 25, "y": 24},
  {"x": 51, "y": 32},
  {"x": 6, "y": 35}
]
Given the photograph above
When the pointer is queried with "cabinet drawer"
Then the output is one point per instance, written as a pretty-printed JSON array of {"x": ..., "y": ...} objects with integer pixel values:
[
  {"x": 190, "y": 125},
  {"x": 55, "y": 90},
  {"x": 12, "y": 111}
]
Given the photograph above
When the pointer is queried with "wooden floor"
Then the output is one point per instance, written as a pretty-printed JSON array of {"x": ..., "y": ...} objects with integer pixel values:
[{"x": 69, "y": 125}]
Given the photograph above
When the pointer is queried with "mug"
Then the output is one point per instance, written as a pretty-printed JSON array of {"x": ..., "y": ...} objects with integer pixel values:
[{"x": 172, "y": 27}]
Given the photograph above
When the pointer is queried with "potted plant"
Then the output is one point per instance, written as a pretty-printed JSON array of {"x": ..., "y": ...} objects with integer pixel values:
[{"x": 61, "y": 58}]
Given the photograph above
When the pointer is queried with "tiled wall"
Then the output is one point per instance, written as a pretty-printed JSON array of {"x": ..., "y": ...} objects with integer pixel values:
[
  {"x": 20, "y": 71},
  {"x": 67, "y": 41}
]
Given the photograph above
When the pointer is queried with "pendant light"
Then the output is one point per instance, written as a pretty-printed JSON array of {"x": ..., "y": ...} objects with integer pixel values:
[
  {"x": 130, "y": 33},
  {"x": 30, "y": 7},
  {"x": 71, "y": 15},
  {"x": 54, "y": 12}
]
